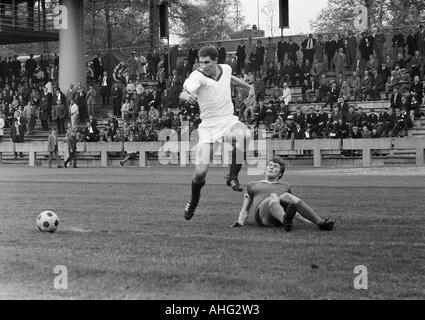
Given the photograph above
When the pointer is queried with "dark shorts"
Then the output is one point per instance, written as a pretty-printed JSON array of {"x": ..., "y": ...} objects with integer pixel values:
[{"x": 263, "y": 214}]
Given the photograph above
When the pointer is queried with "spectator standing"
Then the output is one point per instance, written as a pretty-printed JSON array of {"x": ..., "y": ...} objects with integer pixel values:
[
  {"x": 319, "y": 49},
  {"x": 17, "y": 135},
  {"x": 420, "y": 38},
  {"x": 281, "y": 51},
  {"x": 340, "y": 62},
  {"x": 330, "y": 49},
  {"x": 98, "y": 67},
  {"x": 2, "y": 124},
  {"x": 292, "y": 48},
  {"x": 91, "y": 100},
  {"x": 81, "y": 100},
  {"x": 72, "y": 149},
  {"x": 52, "y": 148},
  {"x": 241, "y": 56},
  {"x": 105, "y": 88},
  {"x": 412, "y": 43},
  {"x": 192, "y": 55},
  {"x": 379, "y": 45},
  {"x": 74, "y": 113},
  {"x": 221, "y": 53},
  {"x": 308, "y": 46},
  {"x": 270, "y": 54}
]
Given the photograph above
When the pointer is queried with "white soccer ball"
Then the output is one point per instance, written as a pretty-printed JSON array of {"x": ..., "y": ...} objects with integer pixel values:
[{"x": 47, "y": 221}]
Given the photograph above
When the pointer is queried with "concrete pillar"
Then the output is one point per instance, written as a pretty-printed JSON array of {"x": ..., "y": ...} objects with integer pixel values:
[
  {"x": 317, "y": 157},
  {"x": 420, "y": 155},
  {"x": 104, "y": 158},
  {"x": 72, "y": 66},
  {"x": 142, "y": 158},
  {"x": 367, "y": 157},
  {"x": 32, "y": 158}
]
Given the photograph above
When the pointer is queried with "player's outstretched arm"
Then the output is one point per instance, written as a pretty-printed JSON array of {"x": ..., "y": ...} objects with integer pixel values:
[
  {"x": 243, "y": 214},
  {"x": 242, "y": 84},
  {"x": 188, "y": 97}
]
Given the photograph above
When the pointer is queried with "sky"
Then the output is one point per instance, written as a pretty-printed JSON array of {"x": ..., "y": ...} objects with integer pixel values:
[{"x": 300, "y": 12}]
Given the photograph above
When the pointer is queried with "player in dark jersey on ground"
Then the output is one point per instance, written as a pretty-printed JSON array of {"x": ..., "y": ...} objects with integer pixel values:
[{"x": 273, "y": 203}]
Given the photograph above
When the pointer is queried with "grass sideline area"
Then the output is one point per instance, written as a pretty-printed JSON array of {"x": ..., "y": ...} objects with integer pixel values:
[{"x": 122, "y": 235}]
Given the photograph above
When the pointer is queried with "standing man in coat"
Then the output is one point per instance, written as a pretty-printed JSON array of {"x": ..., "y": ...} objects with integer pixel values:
[
  {"x": 72, "y": 149},
  {"x": 105, "y": 88},
  {"x": 52, "y": 148},
  {"x": 17, "y": 135}
]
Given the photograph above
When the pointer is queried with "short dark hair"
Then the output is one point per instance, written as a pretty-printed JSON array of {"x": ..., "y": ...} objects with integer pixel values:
[
  {"x": 281, "y": 164},
  {"x": 208, "y": 51}
]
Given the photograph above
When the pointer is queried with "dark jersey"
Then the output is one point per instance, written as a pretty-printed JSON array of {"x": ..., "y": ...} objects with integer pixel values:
[{"x": 257, "y": 191}]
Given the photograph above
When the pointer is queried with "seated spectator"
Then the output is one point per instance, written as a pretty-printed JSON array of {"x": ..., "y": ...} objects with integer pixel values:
[
  {"x": 249, "y": 78},
  {"x": 372, "y": 119},
  {"x": 311, "y": 120},
  {"x": 111, "y": 133},
  {"x": 333, "y": 95},
  {"x": 375, "y": 134},
  {"x": 270, "y": 77},
  {"x": 130, "y": 88},
  {"x": 417, "y": 66},
  {"x": 366, "y": 86},
  {"x": 299, "y": 133},
  {"x": 291, "y": 73},
  {"x": 279, "y": 129},
  {"x": 366, "y": 134},
  {"x": 378, "y": 85},
  {"x": 416, "y": 89},
  {"x": 345, "y": 91},
  {"x": 112, "y": 119},
  {"x": 126, "y": 110},
  {"x": 355, "y": 133},
  {"x": 350, "y": 117},
  {"x": 392, "y": 82},
  {"x": 384, "y": 71},
  {"x": 260, "y": 88},
  {"x": 286, "y": 94},
  {"x": 270, "y": 115},
  {"x": 404, "y": 81},
  {"x": 415, "y": 108},
  {"x": 324, "y": 86},
  {"x": 400, "y": 61},
  {"x": 340, "y": 130},
  {"x": 360, "y": 117},
  {"x": 279, "y": 75},
  {"x": 283, "y": 110},
  {"x": 402, "y": 123},
  {"x": 153, "y": 116},
  {"x": 299, "y": 118},
  {"x": 322, "y": 123},
  {"x": 317, "y": 70},
  {"x": 91, "y": 134},
  {"x": 396, "y": 99}
]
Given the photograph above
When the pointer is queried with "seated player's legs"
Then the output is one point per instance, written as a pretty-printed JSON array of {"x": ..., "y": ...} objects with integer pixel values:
[
  {"x": 306, "y": 211},
  {"x": 271, "y": 213}
]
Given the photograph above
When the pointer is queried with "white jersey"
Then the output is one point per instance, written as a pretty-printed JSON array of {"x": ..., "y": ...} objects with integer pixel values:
[{"x": 214, "y": 96}]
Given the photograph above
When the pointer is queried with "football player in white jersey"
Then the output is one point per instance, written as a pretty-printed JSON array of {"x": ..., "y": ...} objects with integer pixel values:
[{"x": 210, "y": 87}]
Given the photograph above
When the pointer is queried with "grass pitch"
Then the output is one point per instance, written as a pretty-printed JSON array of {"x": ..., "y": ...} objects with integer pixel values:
[{"x": 122, "y": 235}]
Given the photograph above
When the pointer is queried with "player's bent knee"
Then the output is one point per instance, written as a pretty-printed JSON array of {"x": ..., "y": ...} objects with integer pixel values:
[{"x": 289, "y": 198}]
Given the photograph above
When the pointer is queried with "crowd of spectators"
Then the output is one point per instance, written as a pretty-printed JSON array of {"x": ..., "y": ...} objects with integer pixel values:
[{"x": 334, "y": 72}]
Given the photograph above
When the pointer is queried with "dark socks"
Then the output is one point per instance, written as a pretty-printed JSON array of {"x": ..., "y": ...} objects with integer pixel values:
[
  {"x": 196, "y": 190},
  {"x": 237, "y": 161}
]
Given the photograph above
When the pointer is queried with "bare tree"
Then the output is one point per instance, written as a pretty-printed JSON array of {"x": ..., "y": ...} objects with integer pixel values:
[{"x": 270, "y": 10}]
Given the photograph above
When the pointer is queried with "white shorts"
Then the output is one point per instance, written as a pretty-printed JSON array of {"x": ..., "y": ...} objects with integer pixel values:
[{"x": 216, "y": 129}]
